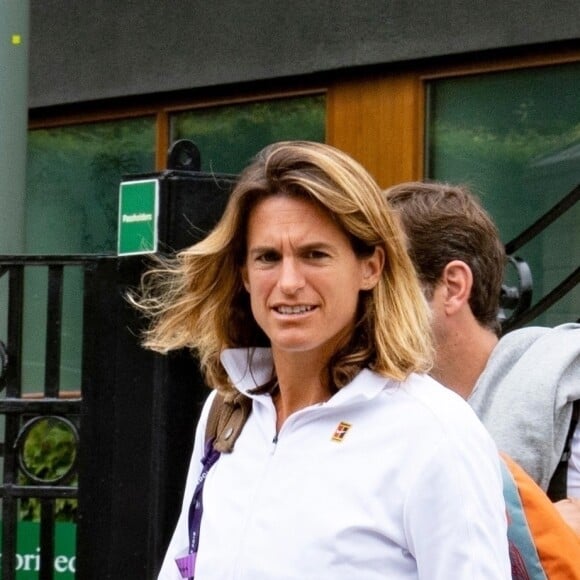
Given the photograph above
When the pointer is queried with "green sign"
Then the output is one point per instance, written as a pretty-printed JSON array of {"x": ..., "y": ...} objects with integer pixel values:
[
  {"x": 138, "y": 211},
  {"x": 28, "y": 551}
]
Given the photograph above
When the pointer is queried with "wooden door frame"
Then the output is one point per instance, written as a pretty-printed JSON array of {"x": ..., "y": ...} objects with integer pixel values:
[{"x": 380, "y": 118}]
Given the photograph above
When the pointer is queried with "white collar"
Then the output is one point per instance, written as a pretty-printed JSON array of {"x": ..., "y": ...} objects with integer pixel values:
[{"x": 249, "y": 368}]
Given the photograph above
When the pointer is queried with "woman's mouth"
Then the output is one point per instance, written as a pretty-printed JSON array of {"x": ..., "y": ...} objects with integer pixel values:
[{"x": 299, "y": 309}]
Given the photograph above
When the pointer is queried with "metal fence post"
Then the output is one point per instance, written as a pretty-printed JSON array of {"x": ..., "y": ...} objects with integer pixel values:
[{"x": 139, "y": 408}]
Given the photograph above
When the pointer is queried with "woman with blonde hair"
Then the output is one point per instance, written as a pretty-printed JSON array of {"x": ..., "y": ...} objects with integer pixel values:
[{"x": 353, "y": 463}]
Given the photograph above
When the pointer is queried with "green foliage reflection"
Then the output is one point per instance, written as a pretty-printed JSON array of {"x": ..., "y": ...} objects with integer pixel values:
[
  {"x": 514, "y": 137},
  {"x": 229, "y": 136},
  {"x": 73, "y": 182},
  {"x": 47, "y": 454}
]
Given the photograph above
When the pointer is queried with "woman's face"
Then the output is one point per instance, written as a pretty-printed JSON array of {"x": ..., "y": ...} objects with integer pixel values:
[{"x": 303, "y": 276}]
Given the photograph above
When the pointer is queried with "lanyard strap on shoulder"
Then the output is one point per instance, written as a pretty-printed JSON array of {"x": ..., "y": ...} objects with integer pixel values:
[
  {"x": 186, "y": 564},
  {"x": 196, "y": 507}
]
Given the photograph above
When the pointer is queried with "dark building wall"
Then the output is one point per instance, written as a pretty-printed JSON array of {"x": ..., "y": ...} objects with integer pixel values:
[{"x": 82, "y": 51}]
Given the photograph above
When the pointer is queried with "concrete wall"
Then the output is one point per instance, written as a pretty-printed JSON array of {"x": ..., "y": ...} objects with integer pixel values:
[{"x": 99, "y": 49}]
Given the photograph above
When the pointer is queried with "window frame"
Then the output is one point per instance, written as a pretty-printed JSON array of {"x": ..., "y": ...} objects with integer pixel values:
[{"x": 376, "y": 114}]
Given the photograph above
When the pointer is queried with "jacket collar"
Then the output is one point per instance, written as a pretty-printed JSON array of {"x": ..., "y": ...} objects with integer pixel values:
[{"x": 249, "y": 368}]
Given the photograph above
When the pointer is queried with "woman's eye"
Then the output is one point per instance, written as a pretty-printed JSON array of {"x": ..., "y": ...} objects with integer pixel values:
[
  {"x": 267, "y": 257},
  {"x": 316, "y": 255}
]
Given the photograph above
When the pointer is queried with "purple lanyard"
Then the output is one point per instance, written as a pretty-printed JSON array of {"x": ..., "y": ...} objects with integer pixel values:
[{"x": 186, "y": 564}]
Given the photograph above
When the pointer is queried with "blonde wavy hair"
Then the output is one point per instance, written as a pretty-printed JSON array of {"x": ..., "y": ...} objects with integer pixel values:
[{"x": 197, "y": 299}]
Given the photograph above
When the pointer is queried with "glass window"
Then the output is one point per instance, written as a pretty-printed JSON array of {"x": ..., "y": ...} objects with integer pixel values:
[
  {"x": 229, "y": 136},
  {"x": 73, "y": 178},
  {"x": 514, "y": 137}
]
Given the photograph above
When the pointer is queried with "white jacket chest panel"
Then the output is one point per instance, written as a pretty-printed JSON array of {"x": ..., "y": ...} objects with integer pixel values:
[{"x": 306, "y": 502}]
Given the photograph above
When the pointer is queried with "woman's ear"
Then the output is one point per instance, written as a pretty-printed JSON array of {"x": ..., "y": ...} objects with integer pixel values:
[
  {"x": 457, "y": 279},
  {"x": 372, "y": 268},
  {"x": 245, "y": 279}
]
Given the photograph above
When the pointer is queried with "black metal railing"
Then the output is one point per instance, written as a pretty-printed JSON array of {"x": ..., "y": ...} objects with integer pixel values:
[
  {"x": 35, "y": 414},
  {"x": 519, "y": 298}
]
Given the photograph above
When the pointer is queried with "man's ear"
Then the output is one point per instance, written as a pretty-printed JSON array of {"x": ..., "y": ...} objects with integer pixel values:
[{"x": 458, "y": 281}]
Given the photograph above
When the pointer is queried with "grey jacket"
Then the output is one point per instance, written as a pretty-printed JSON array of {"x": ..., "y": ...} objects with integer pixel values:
[{"x": 524, "y": 396}]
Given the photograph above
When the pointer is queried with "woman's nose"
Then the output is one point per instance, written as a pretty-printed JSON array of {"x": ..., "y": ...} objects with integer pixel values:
[{"x": 291, "y": 277}]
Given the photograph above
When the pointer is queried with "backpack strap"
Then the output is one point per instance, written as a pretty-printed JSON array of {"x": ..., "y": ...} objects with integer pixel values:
[
  {"x": 541, "y": 544},
  {"x": 226, "y": 419},
  {"x": 227, "y": 416},
  {"x": 558, "y": 487}
]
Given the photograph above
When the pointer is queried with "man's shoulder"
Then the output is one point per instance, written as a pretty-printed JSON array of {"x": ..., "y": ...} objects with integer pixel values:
[
  {"x": 564, "y": 336},
  {"x": 526, "y": 358},
  {"x": 533, "y": 333}
]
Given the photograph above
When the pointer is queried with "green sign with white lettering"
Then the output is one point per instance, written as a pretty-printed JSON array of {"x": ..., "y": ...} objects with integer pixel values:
[
  {"x": 138, "y": 211},
  {"x": 27, "y": 564}
]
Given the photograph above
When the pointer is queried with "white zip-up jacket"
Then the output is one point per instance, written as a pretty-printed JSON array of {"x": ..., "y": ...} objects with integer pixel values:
[{"x": 386, "y": 480}]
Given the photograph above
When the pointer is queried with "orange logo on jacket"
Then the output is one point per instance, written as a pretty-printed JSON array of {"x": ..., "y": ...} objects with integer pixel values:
[{"x": 340, "y": 431}]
